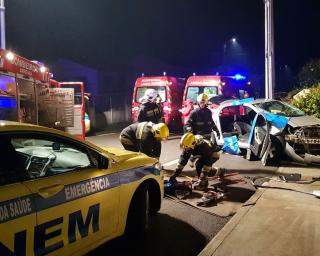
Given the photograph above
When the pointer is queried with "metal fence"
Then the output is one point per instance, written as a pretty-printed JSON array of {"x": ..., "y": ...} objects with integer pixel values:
[{"x": 110, "y": 109}]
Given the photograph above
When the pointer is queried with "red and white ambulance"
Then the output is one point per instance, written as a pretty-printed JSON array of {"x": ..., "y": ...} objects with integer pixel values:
[
  {"x": 170, "y": 90},
  {"x": 226, "y": 87}
]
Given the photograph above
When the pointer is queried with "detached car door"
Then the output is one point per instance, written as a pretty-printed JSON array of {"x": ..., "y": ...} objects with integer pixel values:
[{"x": 77, "y": 203}]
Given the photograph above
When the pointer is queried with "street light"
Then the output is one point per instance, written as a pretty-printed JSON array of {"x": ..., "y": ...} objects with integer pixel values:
[
  {"x": 2, "y": 25},
  {"x": 232, "y": 40}
]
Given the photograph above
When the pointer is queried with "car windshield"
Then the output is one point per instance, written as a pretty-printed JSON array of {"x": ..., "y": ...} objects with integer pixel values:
[
  {"x": 280, "y": 108},
  {"x": 141, "y": 91},
  {"x": 194, "y": 91}
]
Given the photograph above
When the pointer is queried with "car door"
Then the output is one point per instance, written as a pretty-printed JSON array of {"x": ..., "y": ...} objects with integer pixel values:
[
  {"x": 17, "y": 207},
  {"x": 17, "y": 220},
  {"x": 259, "y": 138},
  {"x": 77, "y": 203}
]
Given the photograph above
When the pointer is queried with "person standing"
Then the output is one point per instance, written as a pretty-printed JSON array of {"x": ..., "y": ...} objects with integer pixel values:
[
  {"x": 200, "y": 121},
  {"x": 150, "y": 110},
  {"x": 144, "y": 137},
  {"x": 206, "y": 153}
]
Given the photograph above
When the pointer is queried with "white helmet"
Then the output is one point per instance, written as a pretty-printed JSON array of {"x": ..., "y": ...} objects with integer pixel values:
[{"x": 150, "y": 95}]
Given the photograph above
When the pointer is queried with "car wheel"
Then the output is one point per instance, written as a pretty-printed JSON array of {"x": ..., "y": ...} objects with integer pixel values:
[
  {"x": 139, "y": 213},
  {"x": 275, "y": 153}
]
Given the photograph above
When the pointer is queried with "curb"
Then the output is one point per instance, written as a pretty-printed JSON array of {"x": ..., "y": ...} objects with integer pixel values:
[{"x": 214, "y": 244}]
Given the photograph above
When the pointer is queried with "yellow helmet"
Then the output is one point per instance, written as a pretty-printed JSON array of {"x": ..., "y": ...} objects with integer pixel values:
[
  {"x": 202, "y": 98},
  {"x": 160, "y": 131},
  {"x": 188, "y": 140}
]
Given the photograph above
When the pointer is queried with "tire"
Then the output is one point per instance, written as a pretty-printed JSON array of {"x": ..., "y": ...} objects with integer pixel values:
[{"x": 139, "y": 213}]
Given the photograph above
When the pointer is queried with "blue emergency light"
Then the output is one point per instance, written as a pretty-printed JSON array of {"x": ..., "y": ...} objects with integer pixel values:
[
  {"x": 7, "y": 102},
  {"x": 239, "y": 77}
]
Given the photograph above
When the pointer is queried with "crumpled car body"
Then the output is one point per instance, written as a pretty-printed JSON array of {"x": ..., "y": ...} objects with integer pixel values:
[{"x": 267, "y": 129}]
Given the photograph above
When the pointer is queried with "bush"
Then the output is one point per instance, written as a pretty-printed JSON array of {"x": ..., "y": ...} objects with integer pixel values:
[{"x": 310, "y": 102}]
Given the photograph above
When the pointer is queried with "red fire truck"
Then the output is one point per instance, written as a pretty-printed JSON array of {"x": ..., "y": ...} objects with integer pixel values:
[
  {"x": 226, "y": 87},
  {"x": 170, "y": 90},
  {"x": 27, "y": 94}
]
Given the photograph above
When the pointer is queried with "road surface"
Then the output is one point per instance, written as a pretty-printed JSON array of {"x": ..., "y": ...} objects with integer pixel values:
[{"x": 178, "y": 229}]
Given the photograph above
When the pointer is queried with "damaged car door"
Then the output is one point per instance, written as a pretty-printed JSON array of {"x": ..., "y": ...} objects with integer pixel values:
[
  {"x": 243, "y": 130},
  {"x": 259, "y": 138}
]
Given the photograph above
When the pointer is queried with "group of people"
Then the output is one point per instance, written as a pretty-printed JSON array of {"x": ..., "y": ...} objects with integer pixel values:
[
  {"x": 196, "y": 143},
  {"x": 147, "y": 133}
]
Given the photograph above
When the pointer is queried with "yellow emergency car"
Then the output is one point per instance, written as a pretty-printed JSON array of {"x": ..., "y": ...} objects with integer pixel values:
[{"x": 64, "y": 196}]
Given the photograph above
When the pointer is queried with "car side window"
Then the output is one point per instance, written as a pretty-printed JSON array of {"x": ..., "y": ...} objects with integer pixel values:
[
  {"x": 12, "y": 163},
  {"x": 40, "y": 156}
]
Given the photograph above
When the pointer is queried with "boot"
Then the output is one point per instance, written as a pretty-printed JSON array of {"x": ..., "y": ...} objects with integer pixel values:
[
  {"x": 173, "y": 180},
  {"x": 202, "y": 183}
]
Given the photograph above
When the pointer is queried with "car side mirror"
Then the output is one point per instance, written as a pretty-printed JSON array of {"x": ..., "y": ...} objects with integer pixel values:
[{"x": 103, "y": 162}]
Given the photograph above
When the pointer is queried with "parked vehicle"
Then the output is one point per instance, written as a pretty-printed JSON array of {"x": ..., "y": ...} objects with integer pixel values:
[
  {"x": 28, "y": 95},
  {"x": 78, "y": 100},
  {"x": 267, "y": 129},
  {"x": 61, "y": 195},
  {"x": 229, "y": 86},
  {"x": 170, "y": 90}
]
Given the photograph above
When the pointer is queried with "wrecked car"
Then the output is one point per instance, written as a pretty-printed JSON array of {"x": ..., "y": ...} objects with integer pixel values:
[{"x": 267, "y": 129}]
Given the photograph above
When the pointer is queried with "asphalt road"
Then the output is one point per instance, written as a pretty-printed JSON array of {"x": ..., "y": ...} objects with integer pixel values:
[{"x": 178, "y": 229}]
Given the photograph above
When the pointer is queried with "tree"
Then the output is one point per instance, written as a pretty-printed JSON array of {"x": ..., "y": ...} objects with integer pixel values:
[
  {"x": 309, "y": 74},
  {"x": 309, "y": 102}
]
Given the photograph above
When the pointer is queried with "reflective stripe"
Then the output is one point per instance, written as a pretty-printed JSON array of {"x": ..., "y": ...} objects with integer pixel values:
[
  {"x": 22, "y": 206},
  {"x": 126, "y": 141},
  {"x": 140, "y": 130},
  {"x": 252, "y": 128},
  {"x": 207, "y": 168}
]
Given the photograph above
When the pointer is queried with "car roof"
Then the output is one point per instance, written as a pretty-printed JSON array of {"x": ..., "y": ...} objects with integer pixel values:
[
  {"x": 16, "y": 126},
  {"x": 10, "y": 126},
  {"x": 227, "y": 102},
  {"x": 262, "y": 100}
]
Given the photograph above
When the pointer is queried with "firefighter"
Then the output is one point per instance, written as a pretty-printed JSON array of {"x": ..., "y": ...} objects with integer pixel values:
[
  {"x": 206, "y": 152},
  {"x": 200, "y": 121},
  {"x": 150, "y": 109},
  {"x": 144, "y": 137}
]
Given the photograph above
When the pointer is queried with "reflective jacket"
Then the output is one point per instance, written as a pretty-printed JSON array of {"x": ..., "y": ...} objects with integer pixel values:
[
  {"x": 140, "y": 137},
  {"x": 204, "y": 150},
  {"x": 200, "y": 122},
  {"x": 150, "y": 112}
]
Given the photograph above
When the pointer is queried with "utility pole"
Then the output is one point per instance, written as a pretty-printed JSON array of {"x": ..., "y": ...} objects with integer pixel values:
[
  {"x": 269, "y": 49},
  {"x": 2, "y": 26}
]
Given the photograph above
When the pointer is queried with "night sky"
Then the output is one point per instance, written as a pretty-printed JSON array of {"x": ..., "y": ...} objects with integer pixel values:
[{"x": 109, "y": 34}]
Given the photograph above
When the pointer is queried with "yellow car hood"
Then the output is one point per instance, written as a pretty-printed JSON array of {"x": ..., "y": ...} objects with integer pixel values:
[{"x": 121, "y": 155}]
